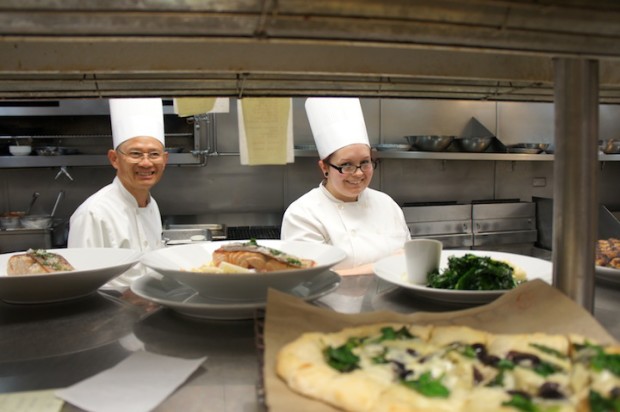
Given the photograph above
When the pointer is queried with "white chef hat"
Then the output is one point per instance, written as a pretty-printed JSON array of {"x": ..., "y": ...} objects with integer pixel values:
[
  {"x": 136, "y": 117},
  {"x": 336, "y": 122}
]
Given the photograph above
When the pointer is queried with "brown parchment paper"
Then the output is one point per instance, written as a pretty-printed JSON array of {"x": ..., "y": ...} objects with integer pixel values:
[{"x": 532, "y": 307}]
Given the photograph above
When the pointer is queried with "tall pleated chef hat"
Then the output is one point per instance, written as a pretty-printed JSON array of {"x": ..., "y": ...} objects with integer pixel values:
[
  {"x": 136, "y": 117},
  {"x": 336, "y": 122}
]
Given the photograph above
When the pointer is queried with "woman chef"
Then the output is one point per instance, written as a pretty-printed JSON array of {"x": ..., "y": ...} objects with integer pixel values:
[
  {"x": 343, "y": 211},
  {"x": 123, "y": 214}
]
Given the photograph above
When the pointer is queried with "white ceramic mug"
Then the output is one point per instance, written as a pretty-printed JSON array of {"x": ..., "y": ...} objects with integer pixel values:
[{"x": 422, "y": 256}]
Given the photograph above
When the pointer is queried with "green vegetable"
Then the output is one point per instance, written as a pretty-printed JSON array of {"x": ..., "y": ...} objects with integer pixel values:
[
  {"x": 598, "y": 403},
  {"x": 599, "y": 360},
  {"x": 342, "y": 358},
  {"x": 471, "y": 272},
  {"x": 388, "y": 333},
  {"x": 428, "y": 386},
  {"x": 548, "y": 350},
  {"x": 521, "y": 403}
]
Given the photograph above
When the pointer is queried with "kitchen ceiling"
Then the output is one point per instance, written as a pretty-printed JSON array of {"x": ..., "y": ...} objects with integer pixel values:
[{"x": 438, "y": 49}]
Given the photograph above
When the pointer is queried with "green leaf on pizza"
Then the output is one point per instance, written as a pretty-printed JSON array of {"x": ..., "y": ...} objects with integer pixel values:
[
  {"x": 428, "y": 386},
  {"x": 342, "y": 358}
]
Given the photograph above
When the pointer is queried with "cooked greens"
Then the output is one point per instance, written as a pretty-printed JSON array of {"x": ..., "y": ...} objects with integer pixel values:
[{"x": 471, "y": 272}]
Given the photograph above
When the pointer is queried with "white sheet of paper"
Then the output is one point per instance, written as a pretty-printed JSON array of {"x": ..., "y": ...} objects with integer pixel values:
[{"x": 138, "y": 384}]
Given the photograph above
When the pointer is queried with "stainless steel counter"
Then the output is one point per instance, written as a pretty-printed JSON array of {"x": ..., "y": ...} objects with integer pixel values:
[{"x": 56, "y": 345}]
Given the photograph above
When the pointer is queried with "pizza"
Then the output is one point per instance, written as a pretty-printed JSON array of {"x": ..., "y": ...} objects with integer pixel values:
[{"x": 425, "y": 368}]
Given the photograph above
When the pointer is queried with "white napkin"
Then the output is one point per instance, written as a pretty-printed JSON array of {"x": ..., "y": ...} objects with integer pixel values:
[{"x": 137, "y": 384}]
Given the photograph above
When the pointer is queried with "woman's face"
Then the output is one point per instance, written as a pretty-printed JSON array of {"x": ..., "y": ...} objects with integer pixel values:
[{"x": 347, "y": 186}]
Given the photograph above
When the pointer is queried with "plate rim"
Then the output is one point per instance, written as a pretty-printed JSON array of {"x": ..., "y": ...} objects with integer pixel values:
[
  {"x": 449, "y": 295},
  {"x": 223, "y": 304}
]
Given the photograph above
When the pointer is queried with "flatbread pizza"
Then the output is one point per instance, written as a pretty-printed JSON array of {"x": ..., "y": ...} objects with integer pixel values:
[{"x": 418, "y": 368}]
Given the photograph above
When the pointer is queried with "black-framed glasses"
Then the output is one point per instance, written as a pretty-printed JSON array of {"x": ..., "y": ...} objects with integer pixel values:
[
  {"x": 136, "y": 156},
  {"x": 365, "y": 166}
]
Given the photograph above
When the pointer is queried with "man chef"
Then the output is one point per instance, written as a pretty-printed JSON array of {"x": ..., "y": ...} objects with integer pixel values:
[
  {"x": 343, "y": 211},
  {"x": 123, "y": 214}
]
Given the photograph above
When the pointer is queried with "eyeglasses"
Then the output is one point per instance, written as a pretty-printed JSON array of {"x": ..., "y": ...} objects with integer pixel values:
[
  {"x": 365, "y": 166},
  {"x": 136, "y": 156}
]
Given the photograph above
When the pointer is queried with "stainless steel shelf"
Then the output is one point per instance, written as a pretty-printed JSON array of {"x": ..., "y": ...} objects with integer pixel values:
[
  {"x": 7, "y": 162},
  {"x": 84, "y": 160},
  {"x": 463, "y": 156}
]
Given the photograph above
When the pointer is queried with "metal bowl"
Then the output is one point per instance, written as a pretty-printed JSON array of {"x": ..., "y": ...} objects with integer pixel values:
[
  {"x": 611, "y": 146},
  {"x": 10, "y": 222},
  {"x": 475, "y": 144},
  {"x": 527, "y": 148},
  {"x": 430, "y": 143},
  {"x": 36, "y": 221}
]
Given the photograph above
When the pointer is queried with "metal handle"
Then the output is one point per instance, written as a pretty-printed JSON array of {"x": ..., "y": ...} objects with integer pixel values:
[{"x": 60, "y": 195}]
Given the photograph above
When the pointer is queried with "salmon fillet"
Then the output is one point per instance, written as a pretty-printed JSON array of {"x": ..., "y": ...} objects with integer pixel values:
[
  {"x": 37, "y": 262},
  {"x": 250, "y": 255}
]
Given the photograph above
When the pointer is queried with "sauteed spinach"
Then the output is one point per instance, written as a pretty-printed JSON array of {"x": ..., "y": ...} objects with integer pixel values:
[{"x": 471, "y": 272}]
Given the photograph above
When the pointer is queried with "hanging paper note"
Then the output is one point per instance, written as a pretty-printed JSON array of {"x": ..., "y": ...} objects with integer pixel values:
[
  {"x": 192, "y": 106},
  {"x": 265, "y": 131}
]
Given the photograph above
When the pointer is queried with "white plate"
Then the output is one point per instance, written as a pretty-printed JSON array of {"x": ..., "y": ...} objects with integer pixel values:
[
  {"x": 93, "y": 268},
  {"x": 177, "y": 261},
  {"x": 608, "y": 275},
  {"x": 393, "y": 269},
  {"x": 186, "y": 301}
]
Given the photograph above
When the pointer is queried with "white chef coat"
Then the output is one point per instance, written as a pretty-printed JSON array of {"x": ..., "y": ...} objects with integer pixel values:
[
  {"x": 111, "y": 218},
  {"x": 367, "y": 230}
]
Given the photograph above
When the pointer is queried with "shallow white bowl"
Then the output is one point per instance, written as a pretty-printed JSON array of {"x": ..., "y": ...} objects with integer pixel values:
[
  {"x": 177, "y": 261},
  {"x": 93, "y": 268},
  {"x": 20, "y": 150}
]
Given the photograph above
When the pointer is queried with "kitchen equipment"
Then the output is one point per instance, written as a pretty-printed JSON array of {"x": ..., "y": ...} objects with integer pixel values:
[
  {"x": 527, "y": 148},
  {"x": 35, "y": 196},
  {"x": 188, "y": 235},
  {"x": 448, "y": 222},
  {"x": 10, "y": 220},
  {"x": 501, "y": 224},
  {"x": 474, "y": 144},
  {"x": 36, "y": 221},
  {"x": 20, "y": 239},
  {"x": 20, "y": 150},
  {"x": 430, "y": 143},
  {"x": 505, "y": 226},
  {"x": 611, "y": 146},
  {"x": 58, "y": 198},
  {"x": 385, "y": 147},
  {"x": 56, "y": 151},
  {"x": 216, "y": 231}
]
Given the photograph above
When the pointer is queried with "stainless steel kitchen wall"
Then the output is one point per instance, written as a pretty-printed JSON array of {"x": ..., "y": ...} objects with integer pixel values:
[{"x": 226, "y": 192}]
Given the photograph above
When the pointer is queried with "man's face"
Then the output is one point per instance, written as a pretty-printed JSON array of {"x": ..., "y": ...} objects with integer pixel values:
[{"x": 139, "y": 163}]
